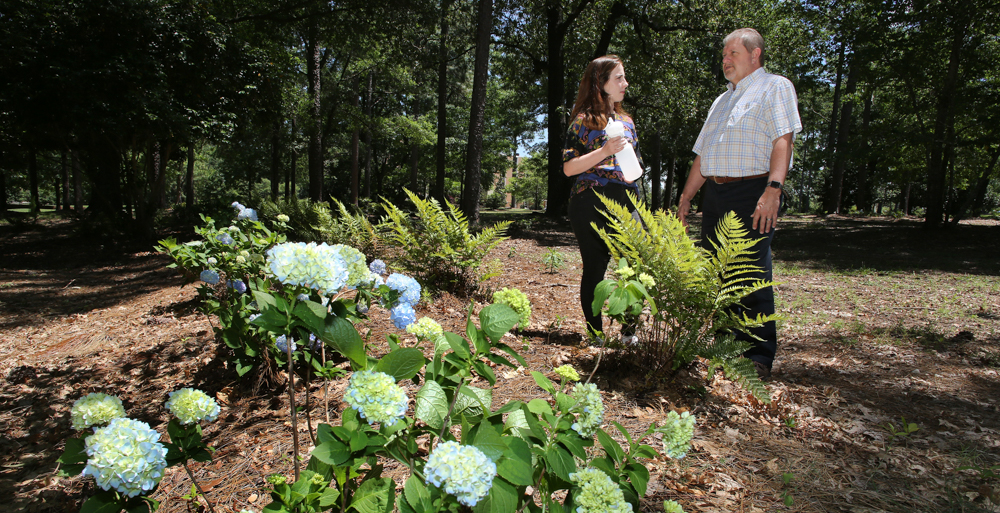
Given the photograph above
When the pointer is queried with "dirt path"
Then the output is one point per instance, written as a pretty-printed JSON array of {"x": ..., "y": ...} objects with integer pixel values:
[{"x": 884, "y": 321}]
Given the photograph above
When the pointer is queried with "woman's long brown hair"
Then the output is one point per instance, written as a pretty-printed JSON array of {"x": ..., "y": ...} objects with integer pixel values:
[{"x": 591, "y": 99}]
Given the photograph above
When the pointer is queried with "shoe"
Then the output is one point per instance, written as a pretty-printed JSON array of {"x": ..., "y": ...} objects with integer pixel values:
[
  {"x": 762, "y": 371},
  {"x": 630, "y": 340}
]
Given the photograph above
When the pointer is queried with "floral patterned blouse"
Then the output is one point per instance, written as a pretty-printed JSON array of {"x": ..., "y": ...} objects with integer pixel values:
[{"x": 581, "y": 140}]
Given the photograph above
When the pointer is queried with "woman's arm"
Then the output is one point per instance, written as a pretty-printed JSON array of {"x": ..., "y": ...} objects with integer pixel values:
[{"x": 584, "y": 163}]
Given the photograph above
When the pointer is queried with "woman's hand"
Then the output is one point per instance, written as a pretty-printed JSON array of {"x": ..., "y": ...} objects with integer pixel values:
[{"x": 614, "y": 145}]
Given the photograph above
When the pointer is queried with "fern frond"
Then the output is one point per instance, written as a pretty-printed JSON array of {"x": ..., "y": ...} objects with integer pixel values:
[{"x": 743, "y": 372}]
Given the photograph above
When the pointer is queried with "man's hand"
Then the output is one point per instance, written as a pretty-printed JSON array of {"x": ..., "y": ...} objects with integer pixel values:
[
  {"x": 765, "y": 216},
  {"x": 683, "y": 209}
]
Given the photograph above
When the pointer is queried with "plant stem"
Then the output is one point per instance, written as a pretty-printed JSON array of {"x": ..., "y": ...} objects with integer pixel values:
[
  {"x": 291, "y": 404},
  {"x": 451, "y": 408},
  {"x": 200, "y": 491}
]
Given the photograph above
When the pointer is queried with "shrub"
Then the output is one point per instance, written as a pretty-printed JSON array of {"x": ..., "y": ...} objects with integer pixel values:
[
  {"x": 343, "y": 226},
  {"x": 437, "y": 247},
  {"x": 688, "y": 291}
]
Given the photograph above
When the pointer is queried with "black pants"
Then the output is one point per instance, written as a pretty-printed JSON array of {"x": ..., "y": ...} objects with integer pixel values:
[
  {"x": 585, "y": 208},
  {"x": 741, "y": 197}
]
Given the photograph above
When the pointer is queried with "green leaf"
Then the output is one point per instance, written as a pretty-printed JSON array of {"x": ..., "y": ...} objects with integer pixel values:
[
  {"x": 515, "y": 465},
  {"x": 74, "y": 457},
  {"x": 485, "y": 371},
  {"x": 473, "y": 400},
  {"x": 329, "y": 497},
  {"x": 601, "y": 294},
  {"x": 610, "y": 446},
  {"x": 416, "y": 494},
  {"x": 501, "y": 499},
  {"x": 340, "y": 334},
  {"x": 374, "y": 496},
  {"x": 459, "y": 345},
  {"x": 311, "y": 314},
  {"x": 489, "y": 441},
  {"x": 403, "y": 363},
  {"x": 544, "y": 382},
  {"x": 618, "y": 302},
  {"x": 432, "y": 404},
  {"x": 539, "y": 407},
  {"x": 332, "y": 452},
  {"x": 560, "y": 461},
  {"x": 575, "y": 444},
  {"x": 103, "y": 502},
  {"x": 639, "y": 476},
  {"x": 496, "y": 320}
]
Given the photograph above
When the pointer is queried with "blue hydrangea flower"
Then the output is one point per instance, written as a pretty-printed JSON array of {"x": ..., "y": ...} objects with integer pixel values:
[
  {"x": 588, "y": 407},
  {"x": 237, "y": 206},
  {"x": 253, "y": 316},
  {"x": 402, "y": 315},
  {"x": 461, "y": 470},
  {"x": 302, "y": 297},
  {"x": 377, "y": 266},
  {"x": 191, "y": 406},
  {"x": 247, "y": 213},
  {"x": 95, "y": 409},
  {"x": 407, "y": 287},
  {"x": 598, "y": 493},
  {"x": 238, "y": 286},
  {"x": 315, "y": 343},
  {"x": 125, "y": 456},
  {"x": 315, "y": 266},
  {"x": 376, "y": 396},
  {"x": 225, "y": 239},
  {"x": 209, "y": 276},
  {"x": 282, "y": 342},
  {"x": 677, "y": 433}
]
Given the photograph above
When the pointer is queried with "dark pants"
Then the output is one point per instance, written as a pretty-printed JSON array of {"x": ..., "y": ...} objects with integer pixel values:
[
  {"x": 741, "y": 197},
  {"x": 585, "y": 208}
]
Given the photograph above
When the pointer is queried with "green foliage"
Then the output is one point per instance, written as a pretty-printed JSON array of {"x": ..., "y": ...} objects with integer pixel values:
[
  {"x": 515, "y": 299},
  {"x": 352, "y": 229},
  {"x": 903, "y": 433},
  {"x": 553, "y": 260},
  {"x": 305, "y": 218},
  {"x": 687, "y": 291},
  {"x": 437, "y": 247}
]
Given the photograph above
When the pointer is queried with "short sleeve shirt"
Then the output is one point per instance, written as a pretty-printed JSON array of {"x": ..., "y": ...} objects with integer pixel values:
[
  {"x": 743, "y": 123},
  {"x": 581, "y": 140}
]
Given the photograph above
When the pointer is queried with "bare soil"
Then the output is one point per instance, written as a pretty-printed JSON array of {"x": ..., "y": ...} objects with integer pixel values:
[{"x": 885, "y": 321}]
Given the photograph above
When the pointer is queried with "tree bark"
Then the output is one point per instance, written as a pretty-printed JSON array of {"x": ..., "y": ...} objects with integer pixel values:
[
  {"x": 65, "y": 180},
  {"x": 292, "y": 165},
  {"x": 841, "y": 153},
  {"x": 355, "y": 150},
  {"x": 313, "y": 70},
  {"x": 863, "y": 171},
  {"x": 368, "y": 137},
  {"x": 442, "y": 113},
  {"x": 831, "y": 136},
  {"x": 474, "y": 152},
  {"x": 33, "y": 206},
  {"x": 275, "y": 159},
  {"x": 189, "y": 178},
  {"x": 415, "y": 152},
  {"x": 77, "y": 182},
  {"x": 936, "y": 160},
  {"x": 655, "y": 168}
]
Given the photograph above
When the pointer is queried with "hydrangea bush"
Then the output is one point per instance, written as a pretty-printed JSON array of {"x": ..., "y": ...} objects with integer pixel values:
[{"x": 517, "y": 300}]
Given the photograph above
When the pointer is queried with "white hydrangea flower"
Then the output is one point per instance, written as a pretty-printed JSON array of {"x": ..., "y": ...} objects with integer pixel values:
[
  {"x": 316, "y": 266},
  {"x": 598, "y": 493},
  {"x": 568, "y": 372},
  {"x": 625, "y": 272},
  {"x": 282, "y": 218},
  {"x": 125, "y": 456},
  {"x": 425, "y": 329},
  {"x": 672, "y": 507},
  {"x": 677, "y": 433},
  {"x": 589, "y": 409},
  {"x": 646, "y": 280},
  {"x": 95, "y": 409},
  {"x": 376, "y": 396},
  {"x": 357, "y": 271},
  {"x": 463, "y": 470},
  {"x": 191, "y": 406}
]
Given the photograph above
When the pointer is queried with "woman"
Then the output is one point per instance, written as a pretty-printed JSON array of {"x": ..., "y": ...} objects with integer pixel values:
[{"x": 589, "y": 155}]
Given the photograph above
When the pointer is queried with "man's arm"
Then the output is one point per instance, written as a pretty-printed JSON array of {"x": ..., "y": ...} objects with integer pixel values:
[
  {"x": 691, "y": 187},
  {"x": 765, "y": 216}
]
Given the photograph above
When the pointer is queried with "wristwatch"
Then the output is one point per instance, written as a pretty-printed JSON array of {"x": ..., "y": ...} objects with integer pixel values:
[{"x": 775, "y": 184}]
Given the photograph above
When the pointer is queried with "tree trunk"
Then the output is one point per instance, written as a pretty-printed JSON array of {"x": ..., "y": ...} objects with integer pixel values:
[
  {"x": 841, "y": 153},
  {"x": 294, "y": 161},
  {"x": 558, "y": 194},
  {"x": 474, "y": 153},
  {"x": 936, "y": 160},
  {"x": 275, "y": 159},
  {"x": 656, "y": 169},
  {"x": 355, "y": 150},
  {"x": 618, "y": 10},
  {"x": 368, "y": 137},
  {"x": 415, "y": 152},
  {"x": 442, "y": 113},
  {"x": 3, "y": 193},
  {"x": 982, "y": 184},
  {"x": 33, "y": 206},
  {"x": 77, "y": 182},
  {"x": 189, "y": 178},
  {"x": 65, "y": 180},
  {"x": 831, "y": 136},
  {"x": 313, "y": 69},
  {"x": 863, "y": 200}
]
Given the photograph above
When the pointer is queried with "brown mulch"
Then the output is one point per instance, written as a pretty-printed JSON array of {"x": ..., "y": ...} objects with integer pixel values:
[{"x": 80, "y": 316}]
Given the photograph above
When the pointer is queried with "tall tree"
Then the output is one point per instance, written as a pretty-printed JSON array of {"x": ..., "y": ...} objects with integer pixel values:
[{"x": 473, "y": 163}]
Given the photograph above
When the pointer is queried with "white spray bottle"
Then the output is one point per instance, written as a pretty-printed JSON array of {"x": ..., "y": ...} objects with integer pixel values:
[{"x": 626, "y": 158}]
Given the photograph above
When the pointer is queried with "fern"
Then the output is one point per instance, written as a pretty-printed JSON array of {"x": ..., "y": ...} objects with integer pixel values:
[
  {"x": 349, "y": 228},
  {"x": 437, "y": 247},
  {"x": 694, "y": 294}
]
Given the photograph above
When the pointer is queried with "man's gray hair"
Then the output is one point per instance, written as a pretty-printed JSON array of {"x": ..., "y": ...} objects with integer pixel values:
[{"x": 750, "y": 39}]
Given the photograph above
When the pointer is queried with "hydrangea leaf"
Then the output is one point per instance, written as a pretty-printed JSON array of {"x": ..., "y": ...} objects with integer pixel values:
[
  {"x": 332, "y": 452},
  {"x": 560, "y": 461},
  {"x": 103, "y": 502},
  {"x": 311, "y": 314},
  {"x": 515, "y": 465},
  {"x": 496, "y": 320},
  {"x": 487, "y": 439},
  {"x": 416, "y": 495},
  {"x": 601, "y": 293},
  {"x": 432, "y": 404},
  {"x": 575, "y": 444},
  {"x": 544, "y": 382},
  {"x": 402, "y": 363},
  {"x": 539, "y": 406},
  {"x": 485, "y": 371},
  {"x": 501, "y": 499},
  {"x": 610, "y": 446},
  {"x": 638, "y": 475},
  {"x": 374, "y": 496},
  {"x": 329, "y": 497},
  {"x": 74, "y": 458},
  {"x": 473, "y": 401},
  {"x": 604, "y": 464},
  {"x": 459, "y": 345},
  {"x": 342, "y": 336}
]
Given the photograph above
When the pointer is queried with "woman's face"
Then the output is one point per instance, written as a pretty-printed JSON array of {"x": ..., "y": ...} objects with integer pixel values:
[{"x": 616, "y": 85}]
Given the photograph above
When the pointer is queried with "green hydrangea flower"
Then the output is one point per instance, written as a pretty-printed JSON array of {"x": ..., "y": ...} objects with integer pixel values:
[
  {"x": 95, "y": 410},
  {"x": 598, "y": 493},
  {"x": 672, "y": 507},
  {"x": 425, "y": 329},
  {"x": 625, "y": 272},
  {"x": 568, "y": 372},
  {"x": 191, "y": 406},
  {"x": 588, "y": 407},
  {"x": 357, "y": 269},
  {"x": 376, "y": 396},
  {"x": 315, "y": 266},
  {"x": 126, "y": 457},
  {"x": 518, "y": 302},
  {"x": 646, "y": 280},
  {"x": 677, "y": 433},
  {"x": 282, "y": 218},
  {"x": 463, "y": 470}
]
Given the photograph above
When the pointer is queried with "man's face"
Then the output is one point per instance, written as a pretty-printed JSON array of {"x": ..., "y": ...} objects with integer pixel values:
[{"x": 737, "y": 62}]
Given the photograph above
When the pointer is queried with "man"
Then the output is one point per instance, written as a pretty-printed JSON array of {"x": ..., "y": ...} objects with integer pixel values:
[{"x": 743, "y": 152}]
